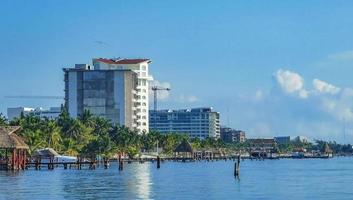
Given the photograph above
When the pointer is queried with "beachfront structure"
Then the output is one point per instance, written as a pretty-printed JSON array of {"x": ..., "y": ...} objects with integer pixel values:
[
  {"x": 141, "y": 68},
  {"x": 15, "y": 149},
  {"x": 282, "y": 139},
  {"x": 263, "y": 144},
  {"x": 51, "y": 113},
  {"x": 197, "y": 122},
  {"x": 108, "y": 93},
  {"x": 184, "y": 150},
  {"x": 230, "y": 135}
]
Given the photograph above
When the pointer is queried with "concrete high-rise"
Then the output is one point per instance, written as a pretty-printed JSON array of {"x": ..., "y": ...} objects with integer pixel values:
[
  {"x": 141, "y": 68},
  {"x": 109, "y": 93}
]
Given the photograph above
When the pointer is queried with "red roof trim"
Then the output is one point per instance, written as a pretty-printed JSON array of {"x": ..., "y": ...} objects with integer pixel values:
[{"x": 122, "y": 61}]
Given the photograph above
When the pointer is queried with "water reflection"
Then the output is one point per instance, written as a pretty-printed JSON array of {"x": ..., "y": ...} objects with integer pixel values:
[
  {"x": 272, "y": 179},
  {"x": 142, "y": 178}
]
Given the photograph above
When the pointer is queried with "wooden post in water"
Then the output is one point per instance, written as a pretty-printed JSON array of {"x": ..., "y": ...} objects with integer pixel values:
[
  {"x": 49, "y": 164},
  {"x": 121, "y": 163},
  {"x": 78, "y": 163},
  {"x": 158, "y": 162},
  {"x": 37, "y": 164},
  {"x": 237, "y": 167},
  {"x": 105, "y": 160}
]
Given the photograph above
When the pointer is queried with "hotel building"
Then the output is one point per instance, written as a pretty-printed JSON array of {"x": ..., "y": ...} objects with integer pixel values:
[
  {"x": 109, "y": 93},
  {"x": 197, "y": 122}
]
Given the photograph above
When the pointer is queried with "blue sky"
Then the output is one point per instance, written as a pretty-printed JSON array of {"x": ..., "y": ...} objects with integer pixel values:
[{"x": 254, "y": 61}]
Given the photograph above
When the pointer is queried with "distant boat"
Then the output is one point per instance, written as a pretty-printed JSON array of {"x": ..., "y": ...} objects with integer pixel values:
[{"x": 64, "y": 159}]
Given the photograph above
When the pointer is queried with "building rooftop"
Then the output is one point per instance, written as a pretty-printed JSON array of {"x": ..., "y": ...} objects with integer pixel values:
[
  {"x": 122, "y": 61},
  {"x": 205, "y": 109}
]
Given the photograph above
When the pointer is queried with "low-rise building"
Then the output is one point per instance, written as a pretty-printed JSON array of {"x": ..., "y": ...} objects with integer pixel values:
[
  {"x": 262, "y": 143},
  {"x": 230, "y": 135},
  {"x": 51, "y": 113},
  {"x": 197, "y": 122},
  {"x": 282, "y": 139}
]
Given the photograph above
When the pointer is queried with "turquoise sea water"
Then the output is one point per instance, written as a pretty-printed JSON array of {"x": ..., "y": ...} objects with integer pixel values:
[{"x": 270, "y": 179}]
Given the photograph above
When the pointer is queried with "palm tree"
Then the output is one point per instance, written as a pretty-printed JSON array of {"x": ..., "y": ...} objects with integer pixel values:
[
  {"x": 52, "y": 131},
  {"x": 34, "y": 140},
  {"x": 87, "y": 118},
  {"x": 3, "y": 120}
]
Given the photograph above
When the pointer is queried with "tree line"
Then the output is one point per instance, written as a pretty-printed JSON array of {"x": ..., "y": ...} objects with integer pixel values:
[{"x": 92, "y": 135}]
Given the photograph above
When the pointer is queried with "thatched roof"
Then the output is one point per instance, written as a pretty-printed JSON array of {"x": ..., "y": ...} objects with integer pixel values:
[
  {"x": 9, "y": 140},
  {"x": 184, "y": 146},
  {"x": 45, "y": 153}
]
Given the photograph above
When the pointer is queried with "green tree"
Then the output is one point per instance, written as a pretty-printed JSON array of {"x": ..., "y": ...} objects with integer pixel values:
[{"x": 3, "y": 120}]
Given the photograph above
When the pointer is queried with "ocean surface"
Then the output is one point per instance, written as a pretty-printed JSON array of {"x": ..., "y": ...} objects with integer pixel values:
[{"x": 269, "y": 179}]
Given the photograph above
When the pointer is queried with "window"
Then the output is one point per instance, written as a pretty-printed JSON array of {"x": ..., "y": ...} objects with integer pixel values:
[{"x": 143, "y": 67}]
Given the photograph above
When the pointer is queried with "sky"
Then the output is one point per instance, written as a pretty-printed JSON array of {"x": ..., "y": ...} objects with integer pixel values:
[{"x": 270, "y": 68}]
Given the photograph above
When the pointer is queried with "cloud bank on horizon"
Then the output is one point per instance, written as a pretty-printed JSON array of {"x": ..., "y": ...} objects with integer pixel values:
[{"x": 318, "y": 110}]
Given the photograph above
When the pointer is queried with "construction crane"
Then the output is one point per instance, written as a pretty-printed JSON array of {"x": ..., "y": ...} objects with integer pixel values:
[{"x": 155, "y": 90}]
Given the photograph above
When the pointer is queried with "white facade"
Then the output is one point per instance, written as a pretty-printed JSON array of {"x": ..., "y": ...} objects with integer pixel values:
[
  {"x": 197, "y": 122},
  {"x": 141, "y": 68},
  {"x": 51, "y": 113}
]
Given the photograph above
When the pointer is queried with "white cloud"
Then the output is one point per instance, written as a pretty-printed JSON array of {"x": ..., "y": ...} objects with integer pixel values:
[
  {"x": 187, "y": 98},
  {"x": 161, "y": 94},
  {"x": 340, "y": 108},
  {"x": 342, "y": 56},
  {"x": 259, "y": 95},
  {"x": 291, "y": 83},
  {"x": 324, "y": 87}
]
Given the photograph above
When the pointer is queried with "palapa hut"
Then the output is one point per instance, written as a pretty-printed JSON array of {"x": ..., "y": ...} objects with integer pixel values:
[
  {"x": 184, "y": 150},
  {"x": 12, "y": 144},
  {"x": 46, "y": 153}
]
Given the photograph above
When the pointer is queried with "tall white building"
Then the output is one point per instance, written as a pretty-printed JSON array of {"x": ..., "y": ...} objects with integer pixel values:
[{"x": 141, "y": 68}]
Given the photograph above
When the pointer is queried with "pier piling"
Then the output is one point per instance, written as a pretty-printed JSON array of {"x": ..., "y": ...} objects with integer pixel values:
[
  {"x": 120, "y": 163},
  {"x": 237, "y": 167},
  {"x": 158, "y": 162}
]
